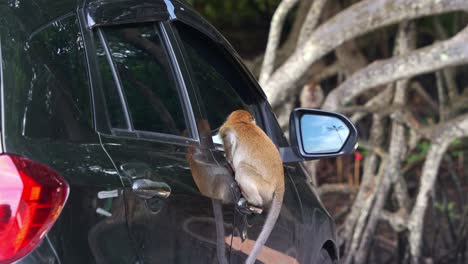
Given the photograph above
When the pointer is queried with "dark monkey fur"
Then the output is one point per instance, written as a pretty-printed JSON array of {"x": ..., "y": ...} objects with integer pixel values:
[{"x": 214, "y": 182}]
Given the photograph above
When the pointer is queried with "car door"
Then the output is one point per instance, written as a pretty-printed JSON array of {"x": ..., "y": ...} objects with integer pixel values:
[
  {"x": 224, "y": 86},
  {"x": 156, "y": 141}
]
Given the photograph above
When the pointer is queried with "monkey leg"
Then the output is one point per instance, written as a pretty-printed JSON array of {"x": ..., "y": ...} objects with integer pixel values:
[{"x": 253, "y": 186}]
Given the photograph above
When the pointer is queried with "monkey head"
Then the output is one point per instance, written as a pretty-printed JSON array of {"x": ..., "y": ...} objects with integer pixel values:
[{"x": 241, "y": 116}]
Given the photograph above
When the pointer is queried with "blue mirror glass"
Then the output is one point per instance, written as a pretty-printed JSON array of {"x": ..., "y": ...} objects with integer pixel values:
[{"x": 322, "y": 133}]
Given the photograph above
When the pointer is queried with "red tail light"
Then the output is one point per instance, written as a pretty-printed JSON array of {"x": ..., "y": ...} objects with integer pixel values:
[{"x": 31, "y": 198}]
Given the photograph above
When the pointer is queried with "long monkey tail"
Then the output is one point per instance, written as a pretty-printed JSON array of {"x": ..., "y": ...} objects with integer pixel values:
[
  {"x": 218, "y": 215},
  {"x": 270, "y": 222}
]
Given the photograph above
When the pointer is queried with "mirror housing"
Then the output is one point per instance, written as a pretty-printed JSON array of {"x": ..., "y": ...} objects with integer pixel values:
[{"x": 316, "y": 134}]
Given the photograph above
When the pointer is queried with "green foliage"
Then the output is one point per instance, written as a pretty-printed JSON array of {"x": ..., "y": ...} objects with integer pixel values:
[
  {"x": 423, "y": 148},
  {"x": 457, "y": 153},
  {"x": 450, "y": 23},
  {"x": 447, "y": 208},
  {"x": 235, "y": 13},
  {"x": 421, "y": 151},
  {"x": 457, "y": 142},
  {"x": 364, "y": 152}
]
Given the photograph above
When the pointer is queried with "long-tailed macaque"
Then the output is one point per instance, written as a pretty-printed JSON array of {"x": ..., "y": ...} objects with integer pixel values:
[
  {"x": 213, "y": 181},
  {"x": 258, "y": 169}
]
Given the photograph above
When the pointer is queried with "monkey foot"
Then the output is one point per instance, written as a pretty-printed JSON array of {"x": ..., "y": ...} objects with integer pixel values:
[{"x": 244, "y": 207}]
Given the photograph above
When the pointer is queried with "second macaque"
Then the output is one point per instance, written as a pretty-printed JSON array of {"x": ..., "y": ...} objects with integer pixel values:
[{"x": 213, "y": 181}]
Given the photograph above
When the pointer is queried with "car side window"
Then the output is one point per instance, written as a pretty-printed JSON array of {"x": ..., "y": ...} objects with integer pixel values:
[
  {"x": 112, "y": 99},
  {"x": 58, "y": 103},
  {"x": 146, "y": 78},
  {"x": 222, "y": 86}
]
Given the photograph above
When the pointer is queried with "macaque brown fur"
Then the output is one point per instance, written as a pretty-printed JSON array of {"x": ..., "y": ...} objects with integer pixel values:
[
  {"x": 258, "y": 169},
  {"x": 213, "y": 181}
]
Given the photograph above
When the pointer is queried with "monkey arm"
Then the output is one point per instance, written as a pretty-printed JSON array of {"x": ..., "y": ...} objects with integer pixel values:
[{"x": 229, "y": 141}]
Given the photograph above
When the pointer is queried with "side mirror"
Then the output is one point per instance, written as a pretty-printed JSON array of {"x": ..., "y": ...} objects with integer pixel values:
[{"x": 319, "y": 134}]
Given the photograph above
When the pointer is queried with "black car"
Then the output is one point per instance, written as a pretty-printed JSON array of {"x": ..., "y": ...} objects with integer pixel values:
[{"x": 106, "y": 105}]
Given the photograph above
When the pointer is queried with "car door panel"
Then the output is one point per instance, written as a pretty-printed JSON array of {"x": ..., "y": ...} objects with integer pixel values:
[
  {"x": 176, "y": 229},
  {"x": 156, "y": 150}
]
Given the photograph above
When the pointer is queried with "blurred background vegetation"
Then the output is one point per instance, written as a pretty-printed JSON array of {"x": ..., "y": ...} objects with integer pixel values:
[
  {"x": 244, "y": 22},
  {"x": 429, "y": 104},
  {"x": 236, "y": 13}
]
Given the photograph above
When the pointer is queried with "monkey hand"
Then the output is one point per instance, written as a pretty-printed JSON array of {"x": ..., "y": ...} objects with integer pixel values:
[{"x": 244, "y": 207}]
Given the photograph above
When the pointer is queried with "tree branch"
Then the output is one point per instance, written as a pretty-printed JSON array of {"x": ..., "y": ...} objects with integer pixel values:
[
  {"x": 374, "y": 109},
  {"x": 444, "y": 136},
  {"x": 274, "y": 36},
  {"x": 459, "y": 104},
  {"x": 401, "y": 192},
  {"x": 354, "y": 222},
  {"x": 442, "y": 54},
  {"x": 449, "y": 73},
  {"x": 337, "y": 188},
  {"x": 404, "y": 43},
  {"x": 311, "y": 21},
  {"x": 327, "y": 72},
  {"x": 417, "y": 87},
  {"x": 396, "y": 220},
  {"x": 350, "y": 57},
  {"x": 356, "y": 20},
  {"x": 380, "y": 100},
  {"x": 441, "y": 95},
  {"x": 376, "y": 149}
]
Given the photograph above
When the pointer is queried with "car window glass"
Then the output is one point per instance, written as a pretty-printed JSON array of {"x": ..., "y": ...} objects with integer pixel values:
[
  {"x": 146, "y": 78},
  {"x": 112, "y": 98},
  {"x": 222, "y": 86},
  {"x": 58, "y": 103}
]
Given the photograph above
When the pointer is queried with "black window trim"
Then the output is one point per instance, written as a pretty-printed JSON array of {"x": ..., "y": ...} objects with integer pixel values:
[
  {"x": 189, "y": 118},
  {"x": 180, "y": 84},
  {"x": 117, "y": 80},
  {"x": 152, "y": 136},
  {"x": 100, "y": 113}
]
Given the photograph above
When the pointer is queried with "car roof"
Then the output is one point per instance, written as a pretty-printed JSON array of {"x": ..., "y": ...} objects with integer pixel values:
[
  {"x": 31, "y": 15},
  {"x": 35, "y": 13}
]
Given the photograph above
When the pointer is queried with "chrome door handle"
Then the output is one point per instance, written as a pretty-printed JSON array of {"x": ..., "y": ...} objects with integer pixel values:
[{"x": 147, "y": 189}]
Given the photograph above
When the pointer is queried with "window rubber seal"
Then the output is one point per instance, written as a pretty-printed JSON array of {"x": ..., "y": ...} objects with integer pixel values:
[{"x": 180, "y": 83}]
